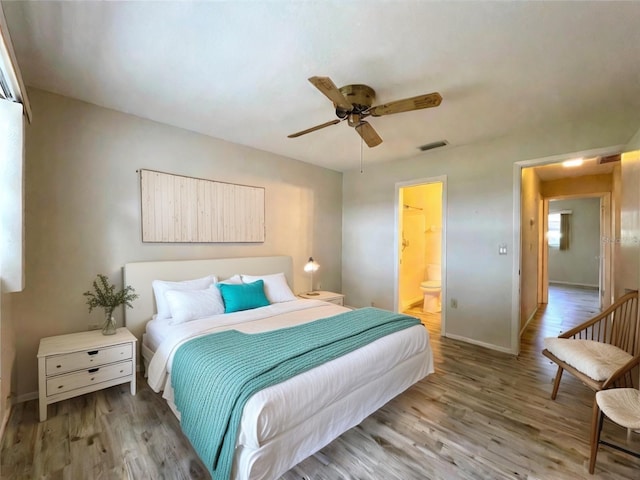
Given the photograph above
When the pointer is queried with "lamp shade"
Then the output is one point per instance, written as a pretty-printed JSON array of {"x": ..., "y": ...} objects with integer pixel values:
[{"x": 311, "y": 266}]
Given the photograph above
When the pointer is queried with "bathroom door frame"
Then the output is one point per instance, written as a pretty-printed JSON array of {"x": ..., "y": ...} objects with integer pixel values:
[{"x": 398, "y": 243}]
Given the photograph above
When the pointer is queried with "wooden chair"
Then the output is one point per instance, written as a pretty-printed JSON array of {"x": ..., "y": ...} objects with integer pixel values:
[
  {"x": 622, "y": 406},
  {"x": 601, "y": 352}
]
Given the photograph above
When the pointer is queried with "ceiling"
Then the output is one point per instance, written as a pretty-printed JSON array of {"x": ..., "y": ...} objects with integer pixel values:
[
  {"x": 590, "y": 166},
  {"x": 238, "y": 70}
]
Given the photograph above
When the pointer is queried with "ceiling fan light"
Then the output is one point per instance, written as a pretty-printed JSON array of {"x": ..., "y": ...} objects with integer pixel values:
[{"x": 575, "y": 162}]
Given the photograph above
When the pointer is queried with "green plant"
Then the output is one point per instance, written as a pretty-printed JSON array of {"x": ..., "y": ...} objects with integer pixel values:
[{"x": 104, "y": 295}]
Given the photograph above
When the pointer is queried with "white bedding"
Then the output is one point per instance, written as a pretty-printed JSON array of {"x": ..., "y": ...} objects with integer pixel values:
[
  {"x": 299, "y": 406},
  {"x": 277, "y": 315},
  {"x": 155, "y": 333}
]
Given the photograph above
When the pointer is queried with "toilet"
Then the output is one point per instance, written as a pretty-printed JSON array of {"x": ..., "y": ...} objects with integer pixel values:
[{"x": 431, "y": 288}]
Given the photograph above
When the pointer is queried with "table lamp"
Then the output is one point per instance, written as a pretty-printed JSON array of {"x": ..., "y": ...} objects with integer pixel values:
[{"x": 310, "y": 267}]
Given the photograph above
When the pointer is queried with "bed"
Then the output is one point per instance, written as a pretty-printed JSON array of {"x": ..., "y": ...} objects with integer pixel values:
[{"x": 284, "y": 423}]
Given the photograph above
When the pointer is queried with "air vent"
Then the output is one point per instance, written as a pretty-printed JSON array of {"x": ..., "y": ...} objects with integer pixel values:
[
  {"x": 609, "y": 159},
  {"x": 432, "y": 145}
]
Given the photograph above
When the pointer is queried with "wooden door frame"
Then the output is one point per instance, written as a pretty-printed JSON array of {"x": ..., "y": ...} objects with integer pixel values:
[{"x": 605, "y": 260}]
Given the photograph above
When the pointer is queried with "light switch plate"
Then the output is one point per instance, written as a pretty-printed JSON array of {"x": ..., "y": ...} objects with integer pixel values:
[{"x": 502, "y": 249}]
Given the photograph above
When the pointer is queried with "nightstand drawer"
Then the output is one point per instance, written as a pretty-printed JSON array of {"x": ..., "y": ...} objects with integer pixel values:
[
  {"x": 337, "y": 301},
  {"x": 91, "y": 358},
  {"x": 91, "y": 376}
]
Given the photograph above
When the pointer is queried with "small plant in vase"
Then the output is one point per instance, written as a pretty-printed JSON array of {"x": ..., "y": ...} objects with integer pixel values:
[{"x": 104, "y": 295}]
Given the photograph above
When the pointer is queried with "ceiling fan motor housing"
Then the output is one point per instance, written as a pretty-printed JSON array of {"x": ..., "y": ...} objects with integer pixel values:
[{"x": 360, "y": 96}]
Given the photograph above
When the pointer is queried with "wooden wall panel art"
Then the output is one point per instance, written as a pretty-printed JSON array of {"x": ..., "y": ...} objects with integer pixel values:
[{"x": 191, "y": 210}]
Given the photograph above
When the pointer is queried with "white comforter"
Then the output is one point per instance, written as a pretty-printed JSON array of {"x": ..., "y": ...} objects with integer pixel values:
[{"x": 281, "y": 407}]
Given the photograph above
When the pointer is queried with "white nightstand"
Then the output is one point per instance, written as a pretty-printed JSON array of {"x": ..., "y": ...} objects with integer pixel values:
[
  {"x": 325, "y": 296},
  {"x": 79, "y": 363}
]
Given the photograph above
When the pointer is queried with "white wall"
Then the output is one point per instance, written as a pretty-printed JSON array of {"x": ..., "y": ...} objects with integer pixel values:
[
  {"x": 580, "y": 264},
  {"x": 634, "y": 142},
  {"x": 7, "y": 339},
  {"x": 480, "y": 216},
  {"x": 83, "y": 211}
]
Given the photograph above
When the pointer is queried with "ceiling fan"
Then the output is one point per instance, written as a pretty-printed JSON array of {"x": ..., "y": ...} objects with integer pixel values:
[{"x": 353, "y": 103}]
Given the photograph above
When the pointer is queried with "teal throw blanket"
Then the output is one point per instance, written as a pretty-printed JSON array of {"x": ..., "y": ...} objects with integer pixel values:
[{"x": 213, "y": 376}]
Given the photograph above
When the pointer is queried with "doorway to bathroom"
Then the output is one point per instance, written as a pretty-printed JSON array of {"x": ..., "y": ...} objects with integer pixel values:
[{"x": 420, "y": 251}]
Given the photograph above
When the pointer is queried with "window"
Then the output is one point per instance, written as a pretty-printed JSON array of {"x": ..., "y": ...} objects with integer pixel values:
[
  {"x": 11, "y": 196},
  {"x": 558, "y": 231},
  {"x": 553, "y": 233},
  {"x": 13, "y": 103}
]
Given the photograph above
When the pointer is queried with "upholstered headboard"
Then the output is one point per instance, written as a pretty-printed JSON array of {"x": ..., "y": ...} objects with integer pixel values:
[{"x": 140, "y": 275}]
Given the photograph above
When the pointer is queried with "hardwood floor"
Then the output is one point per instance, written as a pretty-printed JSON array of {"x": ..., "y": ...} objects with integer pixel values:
[{"x": 483, "y": 414}]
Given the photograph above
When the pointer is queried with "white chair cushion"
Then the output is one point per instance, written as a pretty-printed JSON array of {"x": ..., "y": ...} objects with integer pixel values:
[
  {"x": 622, "y": 405},
  {"x": 597, "y": 360}
]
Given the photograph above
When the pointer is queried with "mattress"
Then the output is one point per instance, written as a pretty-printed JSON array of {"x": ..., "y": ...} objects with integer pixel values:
[
  {"x": 156, "y": 331},
  {"x": 319, "y": 404}
]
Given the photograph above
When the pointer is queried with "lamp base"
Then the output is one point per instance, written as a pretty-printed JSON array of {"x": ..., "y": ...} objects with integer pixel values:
[{"x": 312, "y": 293}]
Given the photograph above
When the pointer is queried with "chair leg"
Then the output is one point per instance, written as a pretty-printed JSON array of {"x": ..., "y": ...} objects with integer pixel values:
[
  {"x": 596, "y": 429},
  {"x": 556, "y": 383}
]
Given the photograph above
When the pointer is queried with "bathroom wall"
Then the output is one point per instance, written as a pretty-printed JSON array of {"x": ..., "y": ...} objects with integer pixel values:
[
  {"x": 433, "y": 217},
  {"x": 413, "y": 260}
]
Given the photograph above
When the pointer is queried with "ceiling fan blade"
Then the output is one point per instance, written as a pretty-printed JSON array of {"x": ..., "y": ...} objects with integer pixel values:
[
  {"x": 313, "y": 129},
  {"x": 368, "y": 134},
  {"x": 329, "y": 89},
  {"x": 408, "y": 104}
]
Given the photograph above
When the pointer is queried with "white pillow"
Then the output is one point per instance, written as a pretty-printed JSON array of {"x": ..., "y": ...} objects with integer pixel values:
[
  {"x": 162, "y": 286},
  {"x": 233, "y": 280},
  {"x": 275, "y": 287},
  {"x": 187, "y": 305}
]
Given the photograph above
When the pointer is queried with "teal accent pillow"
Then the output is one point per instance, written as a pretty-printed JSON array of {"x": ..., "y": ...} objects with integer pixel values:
[{"x": 243, "y": 297}]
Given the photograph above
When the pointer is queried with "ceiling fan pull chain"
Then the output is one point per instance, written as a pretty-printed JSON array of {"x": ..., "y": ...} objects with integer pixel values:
[{"x": 361, "y": 141}]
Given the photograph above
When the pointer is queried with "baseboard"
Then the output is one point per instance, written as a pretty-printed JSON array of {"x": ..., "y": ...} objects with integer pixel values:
[
  {"x": 490, "y": 346},
  {"x": 571, "y": 284},
  {"x": 26, "y": 397},
  {"x": 5, "y": 421},
  {"x": 526, "y": 324}
]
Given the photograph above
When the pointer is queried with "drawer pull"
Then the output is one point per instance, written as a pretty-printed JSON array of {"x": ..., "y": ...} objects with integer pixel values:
[
  {"x": 60, "y": 386},
  {"x": 93, "y": 370},
  {"x": 93, "y": 352},
  {"x": 58, "y": 366}
]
